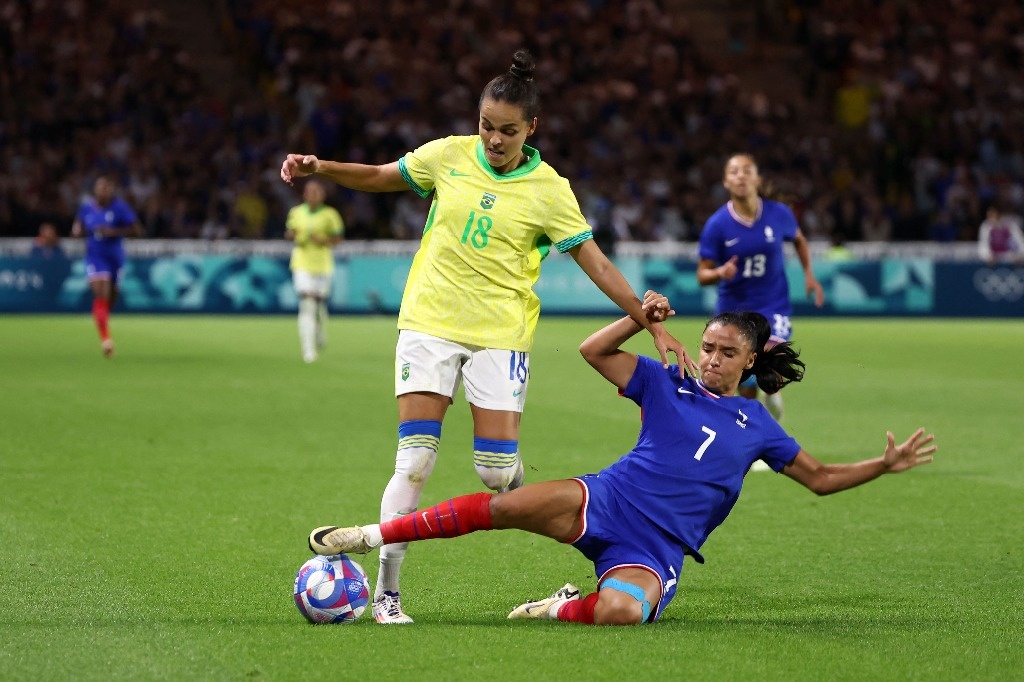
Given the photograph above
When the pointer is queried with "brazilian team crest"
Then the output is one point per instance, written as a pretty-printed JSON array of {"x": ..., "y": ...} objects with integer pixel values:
[
  {"x": 405, "y": 372},
  {"x": 487, "y": 200}
]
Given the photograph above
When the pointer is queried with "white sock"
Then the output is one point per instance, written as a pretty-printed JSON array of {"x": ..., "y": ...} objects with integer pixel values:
[
  {"x": 773, "y": 401},
  {"x": 307, "y": 326},
  {"x": 413, "y": 466},
  {"x": 517, "y": 478},
  {"x": 321, "y": 323},
  {"x": 387, "y": 578},
  {"x": 373, "y": 534},
  {"x": 391, "y": 558}
]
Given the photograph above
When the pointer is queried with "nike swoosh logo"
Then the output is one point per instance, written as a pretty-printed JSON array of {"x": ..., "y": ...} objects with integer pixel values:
[
  {"x": 424, "y": 517},
  {"x": 318, "y": 538},
  {"x": 517, "y": 393},
  {"x": 456, "y": 174},
  {"x": 683, "y": 390},
  {"x": 732, "y": 242}
]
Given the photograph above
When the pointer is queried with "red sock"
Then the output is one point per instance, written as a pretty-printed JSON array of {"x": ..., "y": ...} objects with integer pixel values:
[
  {"x": 457, "y": 516},
  {"x": 579, "y": 611},
  {"x": 101, "y": 313}
]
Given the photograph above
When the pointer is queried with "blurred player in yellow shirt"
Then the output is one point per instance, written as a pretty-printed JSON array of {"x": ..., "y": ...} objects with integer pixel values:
[
  {"x": 315, "y": 228},
  {"x": 469, "y": 310}
]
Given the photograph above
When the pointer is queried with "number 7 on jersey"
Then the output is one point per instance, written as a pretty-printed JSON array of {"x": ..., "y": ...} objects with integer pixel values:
[{"x": 706, "y": 444}]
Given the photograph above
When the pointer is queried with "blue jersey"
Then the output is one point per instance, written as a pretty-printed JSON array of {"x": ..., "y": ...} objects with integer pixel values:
[
  {"x": 92, "y": 216},
  {"x": 685, "y": 472},
  {"x": 760, "y": 283}
]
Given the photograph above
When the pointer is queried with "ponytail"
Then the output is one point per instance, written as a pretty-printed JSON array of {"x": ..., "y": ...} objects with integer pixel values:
[{"x": 777, "y": 366}]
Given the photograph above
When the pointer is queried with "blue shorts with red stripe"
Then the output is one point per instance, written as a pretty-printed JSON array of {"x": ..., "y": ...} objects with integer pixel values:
[{"x": 615, "y": 535}]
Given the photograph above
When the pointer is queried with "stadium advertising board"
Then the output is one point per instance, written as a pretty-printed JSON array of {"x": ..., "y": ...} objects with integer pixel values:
[{"x": 223, "y": 283}]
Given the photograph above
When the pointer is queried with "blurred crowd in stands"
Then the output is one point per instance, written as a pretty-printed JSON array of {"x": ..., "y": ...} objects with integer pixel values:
[{"x": 905, "y": 121}]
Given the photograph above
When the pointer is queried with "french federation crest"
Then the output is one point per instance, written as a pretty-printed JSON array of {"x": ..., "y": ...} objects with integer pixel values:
[
  {"x": 742, "y": 421},
  {"x": 405, "y": 372},
  {"x": 769, "y": 234},
  {"x": 487, "y": 200}
]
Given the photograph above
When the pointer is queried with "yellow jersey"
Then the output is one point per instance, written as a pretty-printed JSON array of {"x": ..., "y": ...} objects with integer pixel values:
[
  {"x": 324, "y": 221},
  {"x": 486, "y": 234}
]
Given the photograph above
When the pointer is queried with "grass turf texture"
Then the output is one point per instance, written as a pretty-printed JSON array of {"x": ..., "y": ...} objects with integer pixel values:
[{"x": 154, "y": 510}]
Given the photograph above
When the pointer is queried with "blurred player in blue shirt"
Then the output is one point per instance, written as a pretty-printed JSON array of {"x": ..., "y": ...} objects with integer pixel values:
[
  {"x": 639, "y": 517},
  {"x": 741, "y": 250},
  {"x": 104, "y": 220}
]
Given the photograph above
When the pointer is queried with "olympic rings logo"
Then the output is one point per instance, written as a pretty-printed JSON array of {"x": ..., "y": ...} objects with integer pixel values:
[{"x": 1000, "y": 284}]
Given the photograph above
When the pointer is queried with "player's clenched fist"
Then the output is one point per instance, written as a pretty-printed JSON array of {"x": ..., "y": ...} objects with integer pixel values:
[
  {"x": 728, "y": 270},
  {"x": 298, "y": 166},
  {"x": 657, "y": 307}
]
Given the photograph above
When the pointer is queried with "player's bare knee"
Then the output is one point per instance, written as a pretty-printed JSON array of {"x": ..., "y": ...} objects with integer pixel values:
[
  {"x": 621, "y": 603},
  {"x": 616, "y": 608},
  {"x": 503, "y": 511}
]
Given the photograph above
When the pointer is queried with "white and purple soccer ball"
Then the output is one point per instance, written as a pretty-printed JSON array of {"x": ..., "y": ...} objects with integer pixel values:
[{"x": 331, "y": 589}]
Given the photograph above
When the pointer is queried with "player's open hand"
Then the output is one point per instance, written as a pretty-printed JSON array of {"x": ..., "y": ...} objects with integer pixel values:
[
  {"x": 666, "y": 343},
  {"x": 298, "y": 166},
  {"x": 915, "y": 450},
  {"x": 815, "y": 291}
]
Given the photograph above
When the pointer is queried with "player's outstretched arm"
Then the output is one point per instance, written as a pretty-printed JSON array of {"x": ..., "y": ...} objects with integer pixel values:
[
  {"x": 825, "y": 479},
  {"x": 357, "y": 176},
  {"x": 609, "y": 280}
]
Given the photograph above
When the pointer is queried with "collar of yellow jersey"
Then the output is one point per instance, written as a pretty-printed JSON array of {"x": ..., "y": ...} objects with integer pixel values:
[{"x": 532, "y": 161}]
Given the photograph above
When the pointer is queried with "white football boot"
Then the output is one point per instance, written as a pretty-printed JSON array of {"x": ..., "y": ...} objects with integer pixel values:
[
  {"x": 387, "y": 610},
  {"x": 328, "y": 540},
  {"x": 546, "y": 608}
]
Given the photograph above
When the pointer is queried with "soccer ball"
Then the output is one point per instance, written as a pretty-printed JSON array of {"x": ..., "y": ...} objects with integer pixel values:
[{"x": 331, "y": 589}]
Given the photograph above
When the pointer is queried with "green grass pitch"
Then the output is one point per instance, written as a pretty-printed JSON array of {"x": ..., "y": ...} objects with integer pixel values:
[{"x": 154, "y": 510}]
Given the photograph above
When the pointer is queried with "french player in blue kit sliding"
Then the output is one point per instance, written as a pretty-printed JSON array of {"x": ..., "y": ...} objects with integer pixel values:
[{"x": 639, "y": 517}]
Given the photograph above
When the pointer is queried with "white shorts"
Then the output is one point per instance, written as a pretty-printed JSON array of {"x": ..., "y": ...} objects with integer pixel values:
[
  {"x": 308, "y": 284},
  {"x": 495, "y": 379}
]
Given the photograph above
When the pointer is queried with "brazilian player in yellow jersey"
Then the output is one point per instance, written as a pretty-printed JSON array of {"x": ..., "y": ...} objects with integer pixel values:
[
  {"x": 315, "y": 228},
  {"x": 469, "y": 312}
]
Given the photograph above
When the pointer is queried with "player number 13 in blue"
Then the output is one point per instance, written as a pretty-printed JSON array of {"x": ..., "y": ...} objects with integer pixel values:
[{"x": 477, "y": 237}]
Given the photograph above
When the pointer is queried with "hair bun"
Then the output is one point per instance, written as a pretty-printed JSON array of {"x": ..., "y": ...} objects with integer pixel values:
[{"x": 522, "y": 65}]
